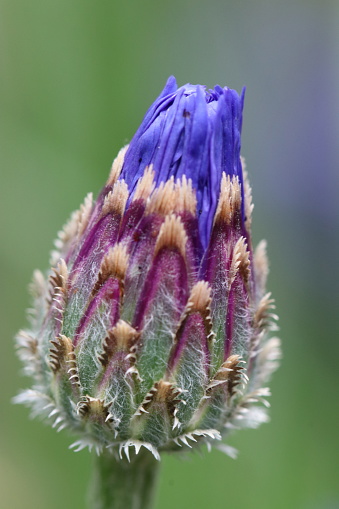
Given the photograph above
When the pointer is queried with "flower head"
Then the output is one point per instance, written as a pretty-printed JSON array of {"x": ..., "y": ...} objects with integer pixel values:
[{"x": 152, "y": 327}]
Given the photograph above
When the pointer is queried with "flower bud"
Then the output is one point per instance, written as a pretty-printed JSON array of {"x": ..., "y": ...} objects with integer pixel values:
[{"x": 152, "y": 327}]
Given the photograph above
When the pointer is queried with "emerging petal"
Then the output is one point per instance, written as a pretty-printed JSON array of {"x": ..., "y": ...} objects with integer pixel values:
[{"x": 193, "y": 132}]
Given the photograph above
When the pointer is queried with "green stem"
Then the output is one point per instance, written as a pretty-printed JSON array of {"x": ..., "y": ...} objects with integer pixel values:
[{"x": 117, "y": 484}]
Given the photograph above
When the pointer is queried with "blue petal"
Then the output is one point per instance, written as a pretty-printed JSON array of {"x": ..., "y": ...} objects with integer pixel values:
[{"x": 193, "y": 132}]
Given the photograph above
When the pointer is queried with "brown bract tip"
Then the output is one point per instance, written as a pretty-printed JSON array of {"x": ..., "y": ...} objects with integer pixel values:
[
  {"x": 185, "y": 198},
  {"x": 229, "y": 199},
  {"x": 268, "y": 359},
  {"x": 84, "y": 214},
  {"x": 27, "y": 342},
  {"x": 116, "y": 199},
  {"x": 94, "y": 409},
  {"x": 260, "y": 262},
  {"x": 263, "y": 318},
  {"x": 67, "y": 234},
  {"x": 58, "y": 282},
  {"x": 173, "y": 197},
  {"x": 117, "y": 166},
  {"x": 162, "y": 199},
  {"x": 199, "y": 301},
  {"x": 74, "y": 227},
  {"x": 240, "y": 261},
  {"x": 121, "y": 337},
  {"x": 125, "y": 335},
  {"x": 247, "y": 201},
  {"x": 231, "y": 372},
  {"x": 165, "y": 391},
  {"x": 114, "y": 263},
  {"x": 172, "y": 235},
  {"x": 161, "y": 392},
  {"x": 61, "y": 352},
  {"x": 200, "y": 297},
  {"x": 145, "y": 185},
  {"x": 60, "y": 276}
]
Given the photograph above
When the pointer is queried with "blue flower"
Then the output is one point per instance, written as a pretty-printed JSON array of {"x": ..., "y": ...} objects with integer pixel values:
[{"x": 194, "y": 132}]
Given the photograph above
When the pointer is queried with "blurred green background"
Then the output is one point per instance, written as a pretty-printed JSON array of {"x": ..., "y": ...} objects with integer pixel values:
[{"x": 76, "y": 79}]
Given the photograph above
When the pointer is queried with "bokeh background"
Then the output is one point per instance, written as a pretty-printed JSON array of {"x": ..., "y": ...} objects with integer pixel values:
[{"x": 76, "y": 79}]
